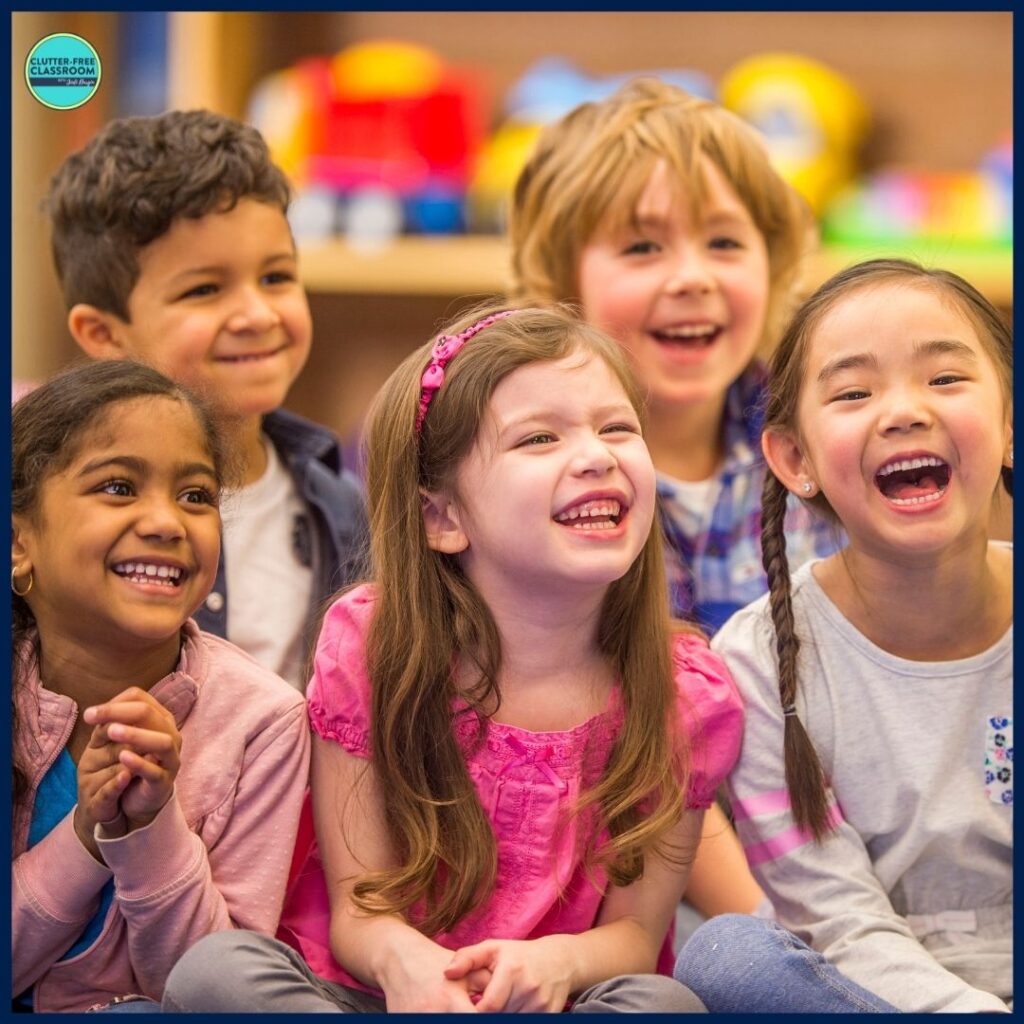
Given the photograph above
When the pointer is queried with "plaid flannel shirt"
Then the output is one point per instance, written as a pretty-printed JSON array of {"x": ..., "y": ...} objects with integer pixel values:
[{"x": 714, "y": 564}]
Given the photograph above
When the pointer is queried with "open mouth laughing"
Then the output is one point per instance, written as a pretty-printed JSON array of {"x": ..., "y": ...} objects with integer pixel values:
[
  {"x": 688, "y": 336},
  {"x": 916, "y": 481},
  {"x": 593, "y": 514}
]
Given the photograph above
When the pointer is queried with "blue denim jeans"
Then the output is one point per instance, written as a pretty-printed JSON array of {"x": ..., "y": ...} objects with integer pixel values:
[
  {"x": 741, "y": 964},
  {"x": 132, "y": 1006}
]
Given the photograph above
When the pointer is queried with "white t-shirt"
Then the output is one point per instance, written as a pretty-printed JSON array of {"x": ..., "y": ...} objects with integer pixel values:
[
  {"x": 911, "y": 896},
  {"x": 693, "y": 501},
  {"x": 269, "y": 589}
]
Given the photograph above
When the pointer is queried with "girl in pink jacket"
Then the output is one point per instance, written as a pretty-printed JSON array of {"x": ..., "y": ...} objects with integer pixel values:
[{"x": 157, "y": 770}]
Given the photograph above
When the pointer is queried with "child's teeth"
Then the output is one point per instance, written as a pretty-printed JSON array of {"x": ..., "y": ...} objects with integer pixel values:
[
  {"x": 905, "y": 464},
  {"x": 920, "y": 500},
  {"x": 689, "y": 332},
  {"x": 148, "y": 571},
  {"x": 590, "y": 509}
]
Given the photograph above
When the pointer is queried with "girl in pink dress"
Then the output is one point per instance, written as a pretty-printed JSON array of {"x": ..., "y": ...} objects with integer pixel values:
[{"x": 513, "y": 744}]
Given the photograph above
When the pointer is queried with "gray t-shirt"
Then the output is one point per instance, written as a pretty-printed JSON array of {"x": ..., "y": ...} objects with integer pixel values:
[{"x": 912, "y": 896}]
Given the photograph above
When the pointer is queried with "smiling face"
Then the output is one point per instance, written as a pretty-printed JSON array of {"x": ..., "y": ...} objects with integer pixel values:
[
  {"x": 686, "y": 296},
  {"x": 903, "y": 421},
  {"x": 558, "y": 491},
  {"x": 125, "y": 541},
  {"x": 219, "y": 308}
]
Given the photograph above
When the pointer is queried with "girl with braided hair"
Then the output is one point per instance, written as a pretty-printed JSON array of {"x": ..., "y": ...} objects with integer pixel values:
[{"x": 873, "y": 794}]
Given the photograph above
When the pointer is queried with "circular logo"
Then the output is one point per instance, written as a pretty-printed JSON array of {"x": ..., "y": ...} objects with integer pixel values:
[{"x": 63, "y": 71}]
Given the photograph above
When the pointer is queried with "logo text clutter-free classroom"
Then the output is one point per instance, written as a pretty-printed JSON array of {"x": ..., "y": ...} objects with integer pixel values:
[{"x": 63, "y": 71}]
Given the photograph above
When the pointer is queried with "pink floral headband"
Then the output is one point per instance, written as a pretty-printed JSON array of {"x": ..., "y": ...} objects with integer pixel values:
[{"x": 445, "y": 348}]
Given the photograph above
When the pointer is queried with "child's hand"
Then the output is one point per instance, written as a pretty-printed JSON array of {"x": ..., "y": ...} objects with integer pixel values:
[
  {"x": 418, "y": 984},
  {"x": 526, "y": 976},
  {"x": 148, "y": 746},
  {"x": 102, "y": 779}
]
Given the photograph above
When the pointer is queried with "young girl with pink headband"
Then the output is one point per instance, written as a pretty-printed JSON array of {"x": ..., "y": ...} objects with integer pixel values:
[{"x": 513, "y": 743}]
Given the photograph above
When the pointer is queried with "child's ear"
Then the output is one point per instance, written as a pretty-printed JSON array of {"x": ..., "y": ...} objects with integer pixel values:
[
  {"x": 786, "y": 460},
  {"x": 441, "y": 521},
  {"x": 97, "y": 332},
  {"x": 21, "y": 559}
]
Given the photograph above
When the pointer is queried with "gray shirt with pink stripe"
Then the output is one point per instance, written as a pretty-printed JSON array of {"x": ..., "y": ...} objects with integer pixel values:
[{"x": 912, "y": 895}]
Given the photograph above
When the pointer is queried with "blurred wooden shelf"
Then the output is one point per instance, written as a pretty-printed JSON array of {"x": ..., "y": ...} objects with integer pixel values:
[
  {"x": 410, "y": 265},
  {"x": 479, "y": 264},
  {"x": 990, "y": 270}
]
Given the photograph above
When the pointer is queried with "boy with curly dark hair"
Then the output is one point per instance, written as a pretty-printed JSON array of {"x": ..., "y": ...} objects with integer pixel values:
[{"x": 172, "y": 246}]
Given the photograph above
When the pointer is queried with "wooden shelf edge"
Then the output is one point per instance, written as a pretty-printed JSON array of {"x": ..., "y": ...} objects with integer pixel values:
[{"x": 479, "y": 264}]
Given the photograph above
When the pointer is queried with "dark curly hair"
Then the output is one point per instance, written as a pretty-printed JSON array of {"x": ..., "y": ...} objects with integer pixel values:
[{"x": 133, "y": 180}]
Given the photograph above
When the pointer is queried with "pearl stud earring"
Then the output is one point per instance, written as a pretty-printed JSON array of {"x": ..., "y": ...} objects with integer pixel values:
[{"x": 808, "y": 487}]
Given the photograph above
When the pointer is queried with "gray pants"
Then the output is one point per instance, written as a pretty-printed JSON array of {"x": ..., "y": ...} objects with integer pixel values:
[{"x": 245, "y": 972}]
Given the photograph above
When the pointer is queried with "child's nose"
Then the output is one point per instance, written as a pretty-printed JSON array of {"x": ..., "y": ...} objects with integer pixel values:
[
  {"x": 594, "y": 457},
  {"x": 254, "y": 312},
  {"x": 160, "y": 518},
  {"x": 905, "y": 409},
  {"x": 689, "y": 271}
]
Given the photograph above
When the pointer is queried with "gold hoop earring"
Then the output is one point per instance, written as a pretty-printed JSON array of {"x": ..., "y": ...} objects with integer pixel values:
[{"x": 14, "y": 586}]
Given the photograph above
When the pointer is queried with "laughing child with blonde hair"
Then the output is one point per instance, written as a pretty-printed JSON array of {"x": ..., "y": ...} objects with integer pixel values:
[{"x": 659, "y": 215}]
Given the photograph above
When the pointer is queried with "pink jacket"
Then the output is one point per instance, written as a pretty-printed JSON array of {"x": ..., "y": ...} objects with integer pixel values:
[{"x": 215, "y": 857}]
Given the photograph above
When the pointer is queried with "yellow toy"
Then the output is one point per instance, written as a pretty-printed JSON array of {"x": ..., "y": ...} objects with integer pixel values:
[
  {"x": 503, "y": 156},
  {"x": 813, "y": 120}
]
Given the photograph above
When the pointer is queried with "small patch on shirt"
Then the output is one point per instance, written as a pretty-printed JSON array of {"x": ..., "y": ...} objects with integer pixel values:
[{"x": 999, "y": 760}]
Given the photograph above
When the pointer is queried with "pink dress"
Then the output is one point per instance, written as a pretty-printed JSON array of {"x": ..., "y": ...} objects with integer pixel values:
[{"x": 527, "y": 783}]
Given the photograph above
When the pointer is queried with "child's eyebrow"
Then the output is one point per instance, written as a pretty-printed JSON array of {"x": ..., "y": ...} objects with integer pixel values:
[
  {"x": 718, "y": 217},
  {"x": 922, "y": 350},
  {"x": 137, "y": 465},
  {"x": 945, "y": 347},
  {"x": 541, "y": 415},
  {"x": 217, "y": 268},
  {"x": 860, "y": 361}
]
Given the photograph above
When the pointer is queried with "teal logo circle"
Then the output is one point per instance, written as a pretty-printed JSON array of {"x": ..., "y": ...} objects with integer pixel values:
[{"x": 63, "y": 71}]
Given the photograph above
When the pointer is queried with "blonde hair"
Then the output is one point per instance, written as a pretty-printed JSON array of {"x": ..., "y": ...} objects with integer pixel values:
[
  {"x": 595, "y": 162},
  {"x": 805, "y": 777},
  {"x": 428, "y": 613}
]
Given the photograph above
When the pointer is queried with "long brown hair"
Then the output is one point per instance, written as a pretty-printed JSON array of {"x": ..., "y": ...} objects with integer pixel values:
[
  {"x": 594, "y": 163},
  {"x": 805, "y": 777},
  {"x": 428, "y": 612}
]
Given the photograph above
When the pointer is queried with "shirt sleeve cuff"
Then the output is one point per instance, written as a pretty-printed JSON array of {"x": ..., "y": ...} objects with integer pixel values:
[
  {"x": 151, "y": 858},
  {"x": 80, "y": 873}
]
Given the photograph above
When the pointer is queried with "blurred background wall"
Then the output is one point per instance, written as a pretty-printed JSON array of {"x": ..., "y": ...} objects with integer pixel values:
[{"x": 925, "y": 99}]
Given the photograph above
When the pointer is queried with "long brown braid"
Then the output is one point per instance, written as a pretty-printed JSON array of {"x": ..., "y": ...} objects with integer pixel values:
[{"x": 805, "y": 776}]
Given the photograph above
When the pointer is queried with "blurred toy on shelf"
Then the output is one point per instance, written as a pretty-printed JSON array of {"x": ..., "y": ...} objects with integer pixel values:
[
  {"x": 812, "y": 118},
  {"x": 957, "y": 208},
  {"x": 552, "y": 86},
  {"x": 377, "y": 138},
  {"x": 548, "y": 90}
]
